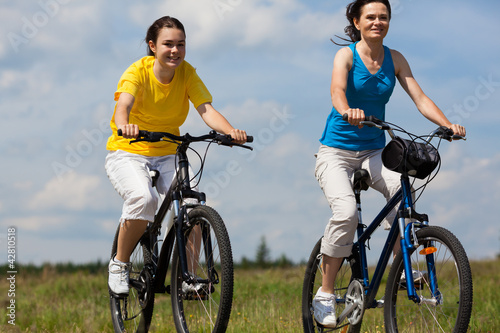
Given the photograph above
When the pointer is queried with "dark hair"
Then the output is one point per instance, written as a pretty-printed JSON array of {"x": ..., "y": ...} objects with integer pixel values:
[
  {"x": 353, "y": 11},
  {"x": 154, "y": 30}
]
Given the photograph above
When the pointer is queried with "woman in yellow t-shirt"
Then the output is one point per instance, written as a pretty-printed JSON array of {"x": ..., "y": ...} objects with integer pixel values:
[{"x": 153, "y": 94}]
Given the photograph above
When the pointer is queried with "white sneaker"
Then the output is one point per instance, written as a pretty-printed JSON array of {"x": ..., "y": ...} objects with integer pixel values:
[
  {"x": 324, "y": 309},
  {"x": 419, "y": 279},
  {"x": 118, "y": 277},
  {"x": 418, "y": 276},
  {"x": 195, "y": 291},
  {"x": 191, "y": 287}
]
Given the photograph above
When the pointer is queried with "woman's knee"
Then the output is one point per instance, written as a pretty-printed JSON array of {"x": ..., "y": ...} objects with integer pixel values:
[{"x": 344, "y": 209}]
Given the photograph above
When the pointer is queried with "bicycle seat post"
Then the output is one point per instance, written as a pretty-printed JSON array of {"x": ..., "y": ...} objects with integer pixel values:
[{"x": 360, "y": 183}]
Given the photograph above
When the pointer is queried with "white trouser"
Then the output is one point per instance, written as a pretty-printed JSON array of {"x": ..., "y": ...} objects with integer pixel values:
[
  {"x": 334, "y": 171},
  {"x": 129, "y": 175}
]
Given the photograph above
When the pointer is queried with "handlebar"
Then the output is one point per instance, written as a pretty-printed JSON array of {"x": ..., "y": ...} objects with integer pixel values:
[
  {"x": 441, "y": 132},
  {"x": 212, "y": 136}
]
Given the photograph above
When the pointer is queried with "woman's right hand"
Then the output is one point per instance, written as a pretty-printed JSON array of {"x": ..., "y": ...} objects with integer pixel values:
[
  {"x": 355, "y": 117},
  {"x": 129, "y": 131}
]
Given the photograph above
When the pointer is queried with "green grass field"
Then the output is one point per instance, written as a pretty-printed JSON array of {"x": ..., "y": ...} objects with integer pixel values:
[{"x": 48, "y": 300}]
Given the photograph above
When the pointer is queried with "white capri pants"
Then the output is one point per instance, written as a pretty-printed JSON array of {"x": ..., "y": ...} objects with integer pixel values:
[
  {"x": 334, "y": 171},
  {"x": 129, "y": 175}
]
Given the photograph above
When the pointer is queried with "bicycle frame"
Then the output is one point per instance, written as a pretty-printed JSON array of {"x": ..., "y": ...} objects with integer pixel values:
[
  {"x": 171, "y": 207},
  {"x": 405, "y": 210}
]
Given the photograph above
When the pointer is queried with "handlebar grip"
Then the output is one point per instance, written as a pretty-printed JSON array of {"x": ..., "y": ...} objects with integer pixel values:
[
  {"x": 373, "y": 119},
  {"x": 249, "y": 138},
  {"x": 142, "y": 133},
  {"x": 457, "y": 137}
]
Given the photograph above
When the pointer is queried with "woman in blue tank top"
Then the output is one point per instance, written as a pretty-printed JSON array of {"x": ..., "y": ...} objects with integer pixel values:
[{"x": 363, "y": 78}]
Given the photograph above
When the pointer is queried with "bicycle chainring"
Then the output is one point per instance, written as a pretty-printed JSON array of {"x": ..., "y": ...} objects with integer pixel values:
[
  {"x": 144, "y": 294},
  {"x": 355, "y": 298}
]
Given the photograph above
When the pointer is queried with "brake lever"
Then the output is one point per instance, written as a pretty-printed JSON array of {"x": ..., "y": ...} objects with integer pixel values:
[
  {"x": 141, "y": 140},
  {"x": 444, "y": 133},
  {"x": 243, "y": 146}
]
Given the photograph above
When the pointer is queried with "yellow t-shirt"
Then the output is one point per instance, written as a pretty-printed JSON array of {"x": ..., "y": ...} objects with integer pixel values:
[{"x": 157, "y": 107}]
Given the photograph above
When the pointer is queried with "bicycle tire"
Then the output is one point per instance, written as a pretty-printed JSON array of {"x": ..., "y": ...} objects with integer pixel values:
[
  {"x": 134, "y": 313},
  {"x": 454, "y": 280},
  {"x": 349, "y": 270},
  {"x": 209, "y": 311}
]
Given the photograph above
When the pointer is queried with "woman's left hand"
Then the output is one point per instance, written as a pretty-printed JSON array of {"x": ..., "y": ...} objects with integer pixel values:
[
  {"x": 458, "y": 129},
  {"x": 239, "y": 136}
]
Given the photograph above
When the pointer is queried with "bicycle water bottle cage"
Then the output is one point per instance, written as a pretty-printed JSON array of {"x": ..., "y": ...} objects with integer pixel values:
[{"x": 360, "y": 181}]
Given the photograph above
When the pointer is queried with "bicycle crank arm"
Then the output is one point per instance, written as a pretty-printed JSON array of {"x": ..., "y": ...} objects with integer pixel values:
[{"x": 347, "y": 311}]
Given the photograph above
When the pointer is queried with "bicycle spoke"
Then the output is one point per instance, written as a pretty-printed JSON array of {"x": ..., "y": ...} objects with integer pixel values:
[
  {"x": 128, "y": 314},
  {"x": 207, "y": 307},
  {"x": 447, "y": 311}
]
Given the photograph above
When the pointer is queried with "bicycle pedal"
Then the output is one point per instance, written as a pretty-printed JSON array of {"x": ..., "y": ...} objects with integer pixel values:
[
  {"x": 112, "y": 294},
  {"x": 327, "y": 328},
  {"x": 162, "y": 290},
  {"x": 196, "y": 297},
  {"x": 418, "y": 286},
  {"x": 200, "y": 295}
]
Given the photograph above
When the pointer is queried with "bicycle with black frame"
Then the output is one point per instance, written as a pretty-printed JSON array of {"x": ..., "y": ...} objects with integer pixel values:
[
  {"x": 429, "y": 285},
  {"x": 197, "y": 242}
]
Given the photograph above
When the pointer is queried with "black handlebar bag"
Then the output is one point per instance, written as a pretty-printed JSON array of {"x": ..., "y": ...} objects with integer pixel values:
[{"x": 409, "y": 157}]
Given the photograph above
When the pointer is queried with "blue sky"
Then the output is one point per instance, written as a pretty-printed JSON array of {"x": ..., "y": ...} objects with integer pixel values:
[{"x": 268, "y": 65}]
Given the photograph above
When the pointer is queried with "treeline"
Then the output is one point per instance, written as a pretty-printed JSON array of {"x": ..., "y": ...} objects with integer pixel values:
[
  {"x": 31, "y": 269},
  {"x": 262, "y": 260}
]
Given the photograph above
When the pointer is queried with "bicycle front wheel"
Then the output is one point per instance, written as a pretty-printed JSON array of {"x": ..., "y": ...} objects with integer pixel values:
[
  {"x": 204, "y": 306},
  {"x": 313, "y": 280},
  {"x": 440, "y": 261},
  {"x": 134, "y": 313}
]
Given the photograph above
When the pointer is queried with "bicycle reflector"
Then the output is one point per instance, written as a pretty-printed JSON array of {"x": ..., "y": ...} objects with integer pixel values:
[{"x": 428, "y": 250}]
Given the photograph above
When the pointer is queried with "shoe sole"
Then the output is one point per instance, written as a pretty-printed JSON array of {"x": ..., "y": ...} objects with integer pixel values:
[
  {"x": 193, "y": 296},
  {"x": 325, "y": 326},
  {"x": 117, "y": 295},
  {"x": 418, "y": 282}
]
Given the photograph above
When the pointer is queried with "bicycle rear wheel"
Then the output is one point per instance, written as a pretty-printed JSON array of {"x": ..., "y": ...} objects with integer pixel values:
[
  {"x": 450, "y": 308},
  {"x": 313, "y": 280},
  {"x": 134, "y": 313},
  {"x": 204, "y": 309}
]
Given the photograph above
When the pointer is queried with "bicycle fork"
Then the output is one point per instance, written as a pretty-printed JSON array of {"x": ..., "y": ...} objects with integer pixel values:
[
  {"x": 407, "y": 233},
  {"x": 181, "y": 216}
]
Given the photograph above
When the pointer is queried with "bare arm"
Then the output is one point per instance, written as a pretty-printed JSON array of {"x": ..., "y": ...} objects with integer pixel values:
[
  {"x": 423, "y": 103},
  {"x": 342, "y": 64},
  {"x": 122, "y": 112},
  {"x": 219, "y": 123}
]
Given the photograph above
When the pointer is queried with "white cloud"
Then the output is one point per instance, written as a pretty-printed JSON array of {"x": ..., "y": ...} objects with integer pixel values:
[
  {"x": 36, "y": 223},
  {"x": 270, "y": 59},
  {"x": 280, "y": 26},
  {"x": 73, "y": 192}
]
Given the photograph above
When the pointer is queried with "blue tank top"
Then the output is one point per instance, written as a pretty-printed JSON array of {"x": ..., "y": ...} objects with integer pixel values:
[{"x": 366, "y": 91}]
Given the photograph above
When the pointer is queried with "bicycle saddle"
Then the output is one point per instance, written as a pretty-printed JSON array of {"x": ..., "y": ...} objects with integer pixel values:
[
  {"x": 360, "y": 181},
  {"x": 154, "y": 176}
]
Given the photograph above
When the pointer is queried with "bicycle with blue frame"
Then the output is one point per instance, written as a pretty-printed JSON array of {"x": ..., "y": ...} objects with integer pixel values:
[
  {"x": 429, "y": 285},
  {"x": 197, "y": 243}
]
